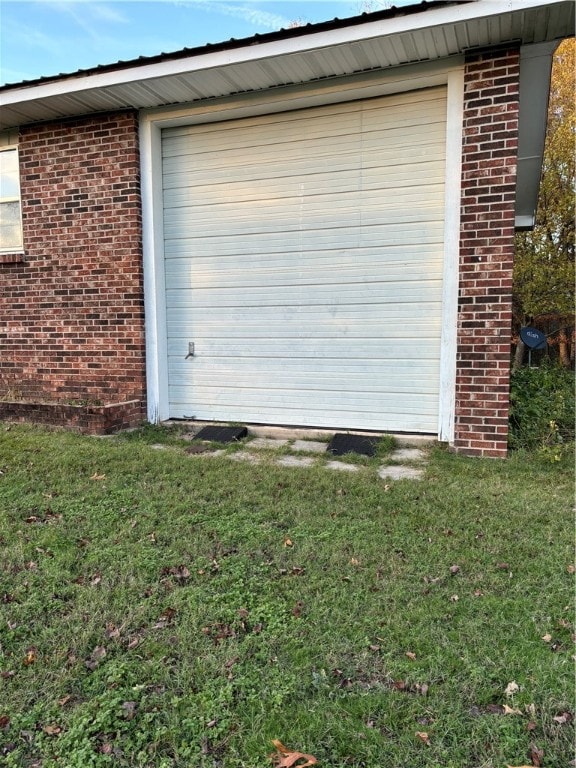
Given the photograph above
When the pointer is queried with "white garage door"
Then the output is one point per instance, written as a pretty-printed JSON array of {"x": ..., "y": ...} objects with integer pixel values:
[{"x": 304, "y": 259}]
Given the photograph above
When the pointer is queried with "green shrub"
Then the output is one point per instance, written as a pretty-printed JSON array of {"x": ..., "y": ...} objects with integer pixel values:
[{"x": 542, "y": 409}]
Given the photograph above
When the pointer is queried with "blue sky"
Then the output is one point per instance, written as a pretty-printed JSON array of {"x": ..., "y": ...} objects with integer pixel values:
[{"x": 48, "y": 37}]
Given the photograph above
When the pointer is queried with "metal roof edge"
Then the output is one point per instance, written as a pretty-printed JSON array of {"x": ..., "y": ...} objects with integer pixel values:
[{"x": 236, "y": 43}]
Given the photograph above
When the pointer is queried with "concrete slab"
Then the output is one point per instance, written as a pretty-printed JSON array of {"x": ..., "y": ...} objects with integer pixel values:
[
  {"x": 342, "y": 466},
  {"x": 296, "y": 461},
  {"x": 309, "y": 446},
  {"x": 251, "y": 458},
  {"x": 400, "y": 473},
  {"x": 408, "y": 454},
  {"x": 266, "y": 442},
  {"x": 302, "y": 433}
]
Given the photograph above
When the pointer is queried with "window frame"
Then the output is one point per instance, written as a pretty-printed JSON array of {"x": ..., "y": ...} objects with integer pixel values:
[{"x": 15, "y": 247}]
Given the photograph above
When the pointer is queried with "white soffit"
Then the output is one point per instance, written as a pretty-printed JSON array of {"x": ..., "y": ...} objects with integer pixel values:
[{"x": 321, "y": 51}]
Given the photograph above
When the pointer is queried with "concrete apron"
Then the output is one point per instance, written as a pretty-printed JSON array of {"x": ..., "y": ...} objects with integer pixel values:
[{"x": 411, "y": 450}]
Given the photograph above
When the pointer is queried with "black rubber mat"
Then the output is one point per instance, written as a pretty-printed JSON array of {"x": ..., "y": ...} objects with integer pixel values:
[
  {"x": 221, "y": 434},
  {"x": 342, "y": 443}
]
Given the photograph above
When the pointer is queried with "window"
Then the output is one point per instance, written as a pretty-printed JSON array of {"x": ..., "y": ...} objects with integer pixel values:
[{"x": 10, "y": 214}]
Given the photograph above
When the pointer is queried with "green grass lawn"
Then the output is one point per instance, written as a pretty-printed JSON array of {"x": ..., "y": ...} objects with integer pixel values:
[{"x": 164, "y": 609}]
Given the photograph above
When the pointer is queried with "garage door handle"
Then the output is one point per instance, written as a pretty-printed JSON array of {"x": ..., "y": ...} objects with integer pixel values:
[{"x": 190, "y": 350}]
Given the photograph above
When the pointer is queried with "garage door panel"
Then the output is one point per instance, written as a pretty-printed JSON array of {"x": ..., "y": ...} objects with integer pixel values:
[
  {"x": 292, "y": 240},
  {"x": 340, "y": 417},
  {"x": 338, "y": 157},
  {"x": 329, "y": 378},
  {"x": 179, "y": 270},
  {"x": 325, "y": 123},
  {"x": 304, "y": 259},
  {"x": 270, "y": 218},
  {"x": 298, "y": 349},
  {"x": 403, "y": 319},
  {"x": 292, "y": 277},
  {"x": 275, "y": 296}
]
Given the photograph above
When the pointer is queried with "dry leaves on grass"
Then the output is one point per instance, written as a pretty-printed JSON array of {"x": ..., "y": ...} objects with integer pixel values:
[
  {"x": 512, "y": 688},
  {"x": 52, "y": 730},
  {"x": 288, "y": 758},
  {"x": 31, "y": 656},
  {"x": 95, "y": 657},
  {"x": 165, "y": 618},
  {"x": 424, "y": 737}
]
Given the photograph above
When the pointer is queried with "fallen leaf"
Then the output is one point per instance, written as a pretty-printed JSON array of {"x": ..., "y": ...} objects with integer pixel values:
[
  {"x": 510, "y": 711},
  {"x": 354, "y": 561},
  {"x": 547, "y": 638},
  {"x": 7, "y": 674},
  {"x": 95, "y": 657},
  {"x": 96, "y": 579},
  {"x": 454, "y": 569},
  {"x": 423, "y": 736},
  {"x": 411, "y": 655},
  {"x": 165, "y": 618},
  {"x": 478, "y": 593},
  {"x": 536, "y": 755},
  {"x": 422, "y": 689},
  {"x": 512, "y": 688},
  {"x": 112, "y": 631},
  {"x": 531, "y": 726},
  {"x": 571, "y": 569},
  {"x": 454, "y": 599},
  {"x": 64, "y": 700},
  {"x": 287, "y": 758},
  {"x": 374, "y": 647},
  {"x": 52, "y": 730},
  {"x": 31, "y": 657},
  {"x": 288, "y": 543},
  {"x": 297, "y": 610},
  {"x": 563, "y": 718},
  {"x": 503, "y": 566},
  {"x": 4, "y": 721},
  {"x": 133, "y": 643},
  {"x": 96, "y": 476},
  {"x": 129, "y": 708}
]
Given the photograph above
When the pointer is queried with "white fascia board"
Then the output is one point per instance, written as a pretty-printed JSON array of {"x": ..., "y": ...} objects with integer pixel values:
[{"x": 435, "y": 17}]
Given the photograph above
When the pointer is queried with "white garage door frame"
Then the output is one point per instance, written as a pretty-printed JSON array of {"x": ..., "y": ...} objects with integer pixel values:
[{"x": 369, "y": 85}]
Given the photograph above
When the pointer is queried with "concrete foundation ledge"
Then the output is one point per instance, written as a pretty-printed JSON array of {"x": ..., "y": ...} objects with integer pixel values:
[
  {"x": 87, "y": 419},
  {"x": 403, "y": 440}
]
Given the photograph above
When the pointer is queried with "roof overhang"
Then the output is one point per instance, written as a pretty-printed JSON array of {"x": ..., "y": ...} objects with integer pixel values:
[{"x": 418, "y": 33}]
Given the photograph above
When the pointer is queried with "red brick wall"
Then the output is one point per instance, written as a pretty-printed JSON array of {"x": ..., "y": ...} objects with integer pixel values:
[
  {"x": 486, "y": 251},
  {"x": 71, "y": 310}
]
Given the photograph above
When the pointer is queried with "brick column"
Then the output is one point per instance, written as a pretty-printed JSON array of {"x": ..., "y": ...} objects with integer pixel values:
[{"x": 489, "y": 159}]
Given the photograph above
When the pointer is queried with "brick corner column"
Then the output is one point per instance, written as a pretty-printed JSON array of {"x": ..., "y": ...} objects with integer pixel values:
[{"x": 489, "y": 161}]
